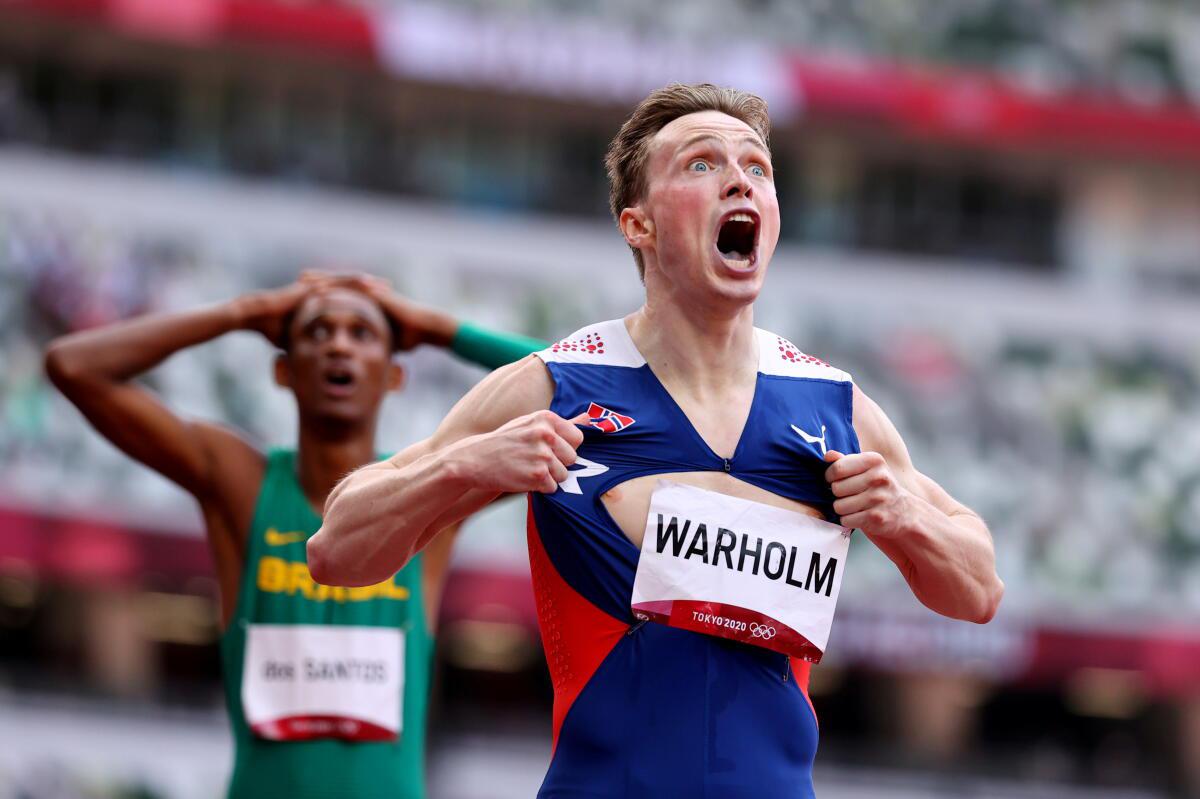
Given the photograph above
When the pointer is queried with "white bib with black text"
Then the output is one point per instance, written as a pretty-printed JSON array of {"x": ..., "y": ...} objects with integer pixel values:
[
  {"x": 304, "y": 681},
  {"x": 730, "y": 567}
]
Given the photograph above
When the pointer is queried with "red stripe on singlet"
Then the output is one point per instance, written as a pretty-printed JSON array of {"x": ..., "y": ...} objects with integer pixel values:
[
  {"x": 576, "y": 635},
  {"x": 801, "y": 670}
]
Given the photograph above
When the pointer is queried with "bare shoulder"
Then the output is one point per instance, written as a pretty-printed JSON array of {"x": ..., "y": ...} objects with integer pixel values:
[
  {"x": 876, "y": 433},
  {"x": 511, "y": 391},
  {"x": 237, "y": 468},
  {"x": 875, "y": 430}
]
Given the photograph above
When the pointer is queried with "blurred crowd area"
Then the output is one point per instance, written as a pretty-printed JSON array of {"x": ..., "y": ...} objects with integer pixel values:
[
  {"x": 498, "y": 153},
  {"x": 990, "y": 217},
  {"x": 1143, "y": 50},
  {"x": 1146, "y": 50},
  {"x": 869, "y": 158},
  {"x": 449, "y": 104}
]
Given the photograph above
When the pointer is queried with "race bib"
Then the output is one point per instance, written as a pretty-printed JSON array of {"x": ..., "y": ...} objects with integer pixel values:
[
  {"x": 304, "y": 681},
  {"x": 738, "y": 569}
]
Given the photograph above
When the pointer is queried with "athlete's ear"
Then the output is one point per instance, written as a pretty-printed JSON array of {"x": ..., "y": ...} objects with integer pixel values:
[
  {"x": 283, "y": 373},
  {"x": 637, "y": 227},
  {"x": 397, "y": 375}
]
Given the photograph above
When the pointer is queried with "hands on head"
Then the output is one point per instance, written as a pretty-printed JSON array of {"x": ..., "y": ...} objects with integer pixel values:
[{"x": 268, "y": 311}]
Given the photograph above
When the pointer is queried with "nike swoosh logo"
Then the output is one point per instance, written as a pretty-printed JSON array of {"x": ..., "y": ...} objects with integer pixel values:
[{"x": 278, "y": 539}]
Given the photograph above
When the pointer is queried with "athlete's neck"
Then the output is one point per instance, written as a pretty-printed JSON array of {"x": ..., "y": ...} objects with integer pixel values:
[
  {"x": 325, "y": 455},
  {"x": 700, "y": 353}
]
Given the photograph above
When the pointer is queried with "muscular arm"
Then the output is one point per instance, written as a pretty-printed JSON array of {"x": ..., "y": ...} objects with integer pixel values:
[
  {"x": 94, "y": 369},
  {"x": 942, "y": 548},
  {"x": 498, "y": 439}
]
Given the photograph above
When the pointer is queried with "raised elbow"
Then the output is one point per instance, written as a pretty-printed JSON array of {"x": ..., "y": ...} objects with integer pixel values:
[
  {"x": 326, "y": 552},
  {"x": 332, "y": 562},
  {"x": 61, "y": 368},
  {"x": 991, "y": 602},
  {"x": 320, "y": 566},
  {"x": 68, "y": 368}
]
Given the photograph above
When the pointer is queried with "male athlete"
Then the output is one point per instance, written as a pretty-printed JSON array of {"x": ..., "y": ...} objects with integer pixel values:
[
  {"x": 326, "y": 688},
  {"x": 682, "y": 398}
]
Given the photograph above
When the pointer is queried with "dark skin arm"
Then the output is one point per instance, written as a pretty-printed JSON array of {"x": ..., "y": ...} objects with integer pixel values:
[{"x": 95, "y": 370}]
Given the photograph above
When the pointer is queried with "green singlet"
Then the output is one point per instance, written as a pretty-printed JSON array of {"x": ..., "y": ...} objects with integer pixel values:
[{"x": 302, "y": 639}]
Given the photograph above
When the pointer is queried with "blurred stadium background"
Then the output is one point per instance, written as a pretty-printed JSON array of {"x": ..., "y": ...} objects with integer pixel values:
[{"x": 991, "y": 216}]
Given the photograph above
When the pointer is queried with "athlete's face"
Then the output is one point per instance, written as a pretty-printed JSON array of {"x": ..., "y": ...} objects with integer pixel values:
[
  {"x": 339, "y": 364},
  {"x": 710, "y": 220}
]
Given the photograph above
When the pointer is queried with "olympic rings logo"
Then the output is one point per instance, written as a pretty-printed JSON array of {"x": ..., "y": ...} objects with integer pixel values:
[{"x": 763, "y": 631}]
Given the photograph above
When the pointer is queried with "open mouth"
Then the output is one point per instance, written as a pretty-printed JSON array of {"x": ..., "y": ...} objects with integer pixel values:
[
  {"x": 338, "y": 380},
  {"x": 737, "y": 238}
]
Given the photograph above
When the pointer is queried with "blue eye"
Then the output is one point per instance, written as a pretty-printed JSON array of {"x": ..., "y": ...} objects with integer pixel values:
[
  {"x": 698, "y": 166},
  {"x": 758, "y": 171}
]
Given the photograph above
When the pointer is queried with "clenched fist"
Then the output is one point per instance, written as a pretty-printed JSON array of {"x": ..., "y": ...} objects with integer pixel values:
[
  {"x": 530, "y": 453},
  {"x": 869, "y": 498}
]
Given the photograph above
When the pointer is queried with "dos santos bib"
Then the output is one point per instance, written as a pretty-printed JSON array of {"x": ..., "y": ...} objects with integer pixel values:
[
  {"x": 326, "y": 687},
  {"x": 642, "y": 709}
]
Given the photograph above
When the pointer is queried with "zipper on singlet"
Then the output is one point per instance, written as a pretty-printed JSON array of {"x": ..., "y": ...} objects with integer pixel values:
[
  {"x": 726, "y": 460},
  {"x": 787, "y": 667}
]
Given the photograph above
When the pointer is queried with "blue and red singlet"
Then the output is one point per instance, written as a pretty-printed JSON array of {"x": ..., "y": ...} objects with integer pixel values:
[{"x": 642, "y": 709}]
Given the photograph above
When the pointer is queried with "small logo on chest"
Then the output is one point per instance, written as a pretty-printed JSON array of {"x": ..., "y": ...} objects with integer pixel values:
[
  {"x": 811, "y": 439},
  {"x": 581, "y": 469},
  {"x": 607, "y": 421},
  {"x": 278, "y": 539}
]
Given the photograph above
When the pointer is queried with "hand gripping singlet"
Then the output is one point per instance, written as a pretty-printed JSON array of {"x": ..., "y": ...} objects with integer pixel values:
[{"x": 641, "y": 709}]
